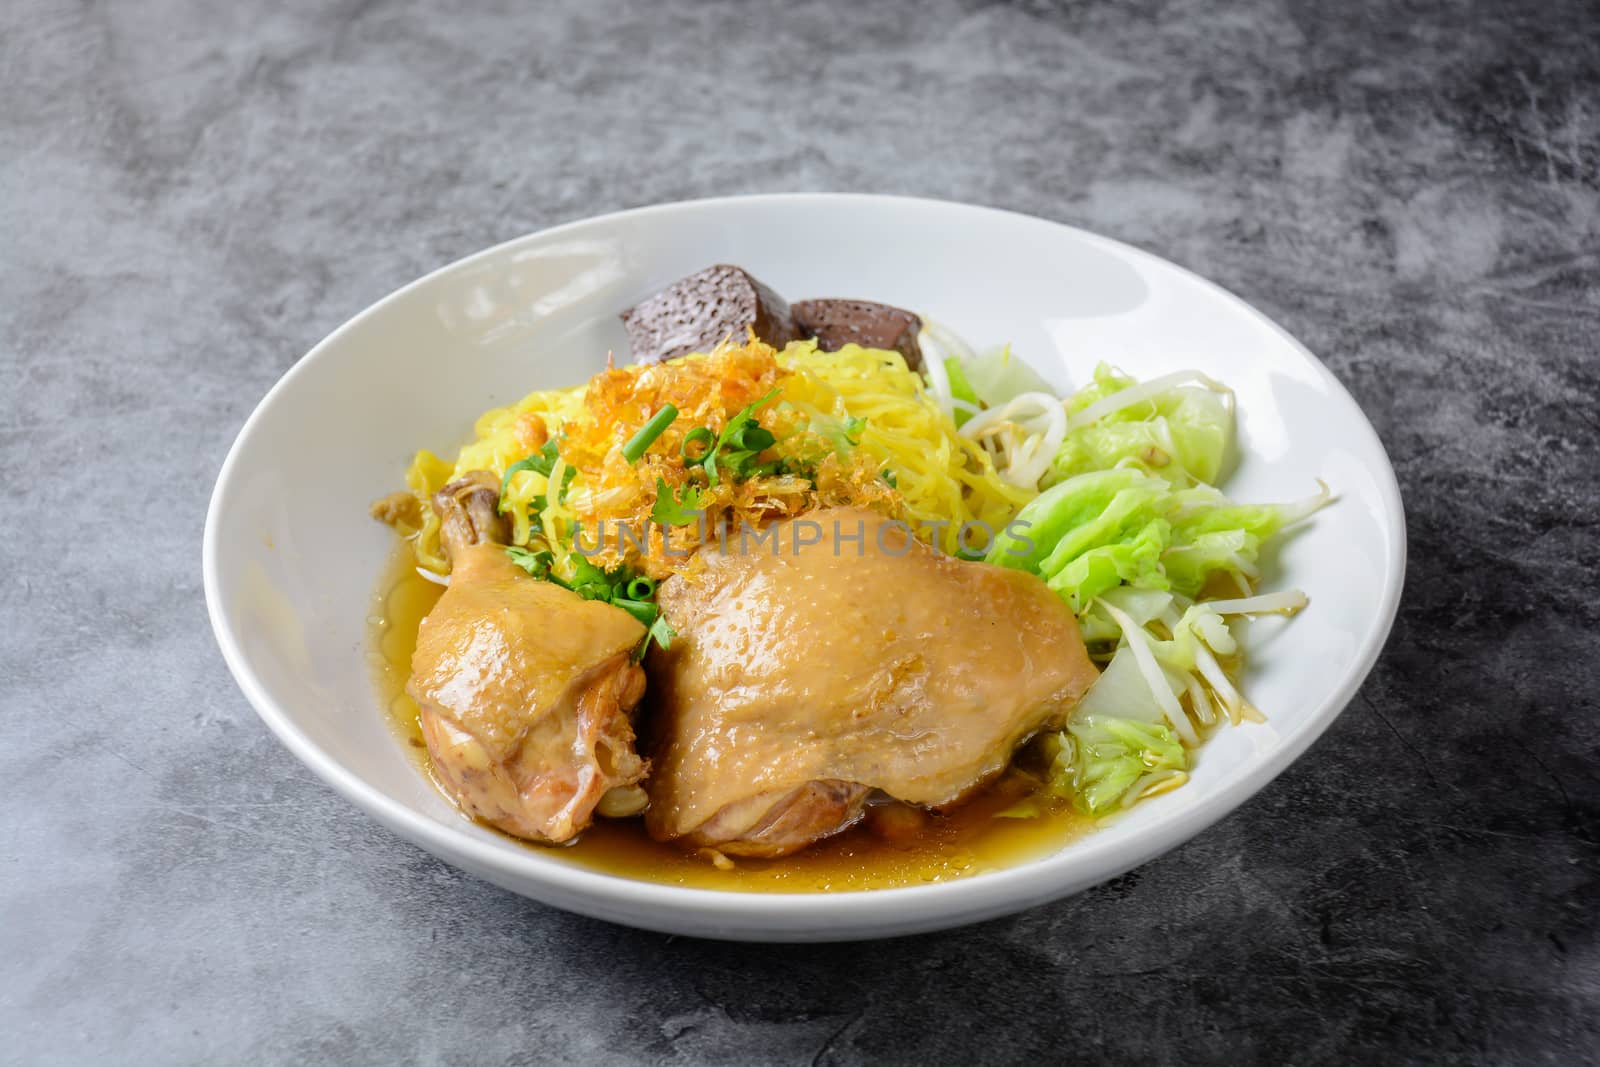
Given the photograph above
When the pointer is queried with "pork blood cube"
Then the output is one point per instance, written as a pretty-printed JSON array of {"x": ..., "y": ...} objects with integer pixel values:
[
  {"x": 696, "y": 313},
  {"x": 836, "y": 323}
]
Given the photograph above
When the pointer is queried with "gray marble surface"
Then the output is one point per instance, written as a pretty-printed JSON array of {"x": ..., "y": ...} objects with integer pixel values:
[{"x": 192, "y": 194}]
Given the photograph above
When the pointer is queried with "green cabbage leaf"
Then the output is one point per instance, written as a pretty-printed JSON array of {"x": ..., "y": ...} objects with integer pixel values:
[
  {"x": 1101, "y": 763},
  {"x": 1183, "y": 432},
  {"x": 1097, "y": 531}
]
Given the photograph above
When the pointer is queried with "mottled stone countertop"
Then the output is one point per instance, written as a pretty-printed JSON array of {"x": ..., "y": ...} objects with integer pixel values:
[{"x": 193, "y": 194}]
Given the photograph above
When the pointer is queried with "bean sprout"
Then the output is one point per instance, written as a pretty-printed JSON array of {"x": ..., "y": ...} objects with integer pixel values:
[
  {"x": 1024, "y": 433},
  {"x": 1144, "y": 391}
]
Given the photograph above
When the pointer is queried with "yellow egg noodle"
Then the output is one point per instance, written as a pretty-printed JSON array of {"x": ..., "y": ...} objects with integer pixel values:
[{"x": 942, "y": 480}]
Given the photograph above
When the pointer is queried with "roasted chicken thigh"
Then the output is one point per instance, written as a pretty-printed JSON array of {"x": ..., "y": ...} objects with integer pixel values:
[
  {"x": 838, "y": 659},
  {"x": 524, "y": 687}
]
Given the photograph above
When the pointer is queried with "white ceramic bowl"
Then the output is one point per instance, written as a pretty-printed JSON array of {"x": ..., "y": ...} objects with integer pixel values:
[{"x": 291, "y": 558}]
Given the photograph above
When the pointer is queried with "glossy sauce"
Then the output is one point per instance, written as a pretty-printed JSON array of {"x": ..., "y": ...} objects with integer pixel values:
[{"x": 971, "y": 840}]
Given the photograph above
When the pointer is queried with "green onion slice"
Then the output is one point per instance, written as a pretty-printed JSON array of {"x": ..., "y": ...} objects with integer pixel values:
[
  {"x": 697, "y": 445},
  {"x": 752, "y": 438},
  {"x": 648, "y": 433}
]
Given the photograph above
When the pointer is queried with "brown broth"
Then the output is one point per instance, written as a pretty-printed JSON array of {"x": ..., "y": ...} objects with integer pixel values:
[{"x": 970, "y": 840}]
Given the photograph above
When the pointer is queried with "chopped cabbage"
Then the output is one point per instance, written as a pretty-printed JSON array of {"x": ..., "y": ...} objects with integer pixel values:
[
  {"x": 1129, "y": 531},
  {"x": 1102, "y": 762},
  {"x": 997, "y": 376},
  {"x": 1122, "y": 692},
  {"x": 960, "y": 389},
  {"x": 1183, "y": 433},
  {"x": 1053, "y": 515},
  {"x": 1096, "y": 531},
  {"x": 976, "y": 383}
]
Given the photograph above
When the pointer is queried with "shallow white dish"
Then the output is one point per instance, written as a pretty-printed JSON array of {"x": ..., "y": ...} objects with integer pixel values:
[{"x": 291, "y": 557}]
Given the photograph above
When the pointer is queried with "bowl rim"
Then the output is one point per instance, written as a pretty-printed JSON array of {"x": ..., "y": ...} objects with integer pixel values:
[{"x": 1092, "y": 860}]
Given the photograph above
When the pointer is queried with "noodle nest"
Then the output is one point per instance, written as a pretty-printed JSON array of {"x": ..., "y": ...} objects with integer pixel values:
[{"x": 855, "y": 427}]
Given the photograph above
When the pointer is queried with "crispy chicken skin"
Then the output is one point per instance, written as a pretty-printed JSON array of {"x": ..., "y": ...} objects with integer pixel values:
[
  {"x": 524, "y": 687},
  {"x": 813, "y": 670}
]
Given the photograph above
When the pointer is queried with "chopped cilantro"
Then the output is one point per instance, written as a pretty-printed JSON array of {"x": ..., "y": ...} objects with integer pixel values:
[
  {"x": 541, "y": 462},
  {"x": 733, "y": 453},
  {"x": 535, "y": 563},
  {"x": 675, "y": 509}
]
